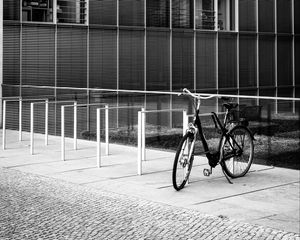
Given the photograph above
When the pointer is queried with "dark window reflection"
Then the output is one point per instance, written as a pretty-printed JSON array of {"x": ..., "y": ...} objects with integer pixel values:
[
  {"x": 103, "y": 12},
  {"x": 131, "y": 12},
  {"x": 266, "y": 9},
  {"x": 247, "y": 15},
  {"x": 284, "y": 16},
  {"x": 158, "y": 13},
  {"x": 182, "y": 14},
  {"x": 284, "y": 61}
]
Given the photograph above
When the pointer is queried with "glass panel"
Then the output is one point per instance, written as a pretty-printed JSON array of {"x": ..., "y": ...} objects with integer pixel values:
[
  {"x": 226, "y": 15},
  {"x": 284, "y": 54},
  {"x": 297, "y": 16},
  {"x": 206, "y": 60},
  {"x": 266, "y": 61},
  {"x": 182, "y": 14},
  {"x": 131, "y": 12},
  {"x": 158, "y": 61},
  {"x": 103, "y": 58},
  {"x": 158, "y": 13},
  {"x": 205, "y": 14},
  {"x": 297, "y": 60},
  {"x": 11, "y": 10},
  {"x": 103, "y": 12},
  {"x": 38, "y": 60},
  {"x": 284, "y": 16},
  {"x": 71, "y": 57},
  {"x": 247, "y": 15},
  {"x": 131, "y": 60},
  {"x": 227, "y": 52},
  {"x": 71, "y": 11},
  {"x": 183, "y": 60},
  {"x": 266, "y": 22},
  {"x": 11, "y": 54},
  {"x": 37, "y": 10},
  {"x": 247, "y": 58}
]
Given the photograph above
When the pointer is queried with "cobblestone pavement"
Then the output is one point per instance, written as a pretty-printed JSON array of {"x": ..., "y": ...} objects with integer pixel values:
[{"x": 36, "y": 207}]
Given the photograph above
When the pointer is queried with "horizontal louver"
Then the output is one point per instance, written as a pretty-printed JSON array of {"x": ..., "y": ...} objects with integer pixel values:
[
  {"x": 103, "y": 59},
  {"x": 11, "y": 54},
  {"x": 103, "y": 12},
  {"x": 71, "y": 57},
  {"x": 38, "y": 55}
]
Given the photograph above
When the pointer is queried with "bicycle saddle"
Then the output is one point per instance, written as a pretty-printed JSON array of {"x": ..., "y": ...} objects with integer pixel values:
[{"x": 230, "y": 105}]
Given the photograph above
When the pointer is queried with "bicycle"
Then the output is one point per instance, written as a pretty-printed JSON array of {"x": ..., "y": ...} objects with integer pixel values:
[{"x": 235, "y": 150}]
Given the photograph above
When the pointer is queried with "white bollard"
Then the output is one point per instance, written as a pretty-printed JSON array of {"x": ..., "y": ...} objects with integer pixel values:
[
  {"x": 75, "y": 126},
  {"x": 106, "y": 130},
  {"x": 3, "y": 126},
  {"x": 46, "y": 121},
  {"x": 98, "y": 139},
  {"x": 63, "y": 133},
  {"x": 31, "y": 128},
  {"x": 20, "y": 119}
]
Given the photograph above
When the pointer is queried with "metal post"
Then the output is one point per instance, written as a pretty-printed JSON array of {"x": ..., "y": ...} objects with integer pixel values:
[
  {"x": 3, "y": 126},
  {"x": 63, "y": 133},
  {"x": 98, "y": 139},
  {"x": 139, "y": 158},
  {"x": 185, "y": 121},
  {"x": 20, "y": 119},
  {"x": 106, "y": 130},
  {"x": 46, "y": 121},
  {"x": 31, "y": 128},
  {"x": 75, "y": 126},
  {"x": 143, "y": 132}
]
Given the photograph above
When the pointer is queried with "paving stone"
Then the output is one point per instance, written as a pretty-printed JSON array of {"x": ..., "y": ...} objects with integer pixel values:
[{"x": 36, "y": 207}]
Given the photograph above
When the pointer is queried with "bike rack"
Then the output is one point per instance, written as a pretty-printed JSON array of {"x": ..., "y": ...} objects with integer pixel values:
[
  {"x": 107, "y": 108},
  {"x": 75, "y": 106},
  {"x": 20, "y": 100},
  {"x": 46, "y": 121},
  {"x": 142, "y": 136}
]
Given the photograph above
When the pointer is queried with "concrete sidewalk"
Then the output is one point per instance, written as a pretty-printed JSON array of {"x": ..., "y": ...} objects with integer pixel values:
[{"x": 266, "y": 196}]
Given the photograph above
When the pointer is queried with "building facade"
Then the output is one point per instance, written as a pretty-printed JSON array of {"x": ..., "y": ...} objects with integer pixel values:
[{"x": 70, "y": 47}]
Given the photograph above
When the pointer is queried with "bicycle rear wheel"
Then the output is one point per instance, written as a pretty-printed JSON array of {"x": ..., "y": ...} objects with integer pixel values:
[
  {"x": 183, "y": 161},
  {"x": 241, "y": 149}
]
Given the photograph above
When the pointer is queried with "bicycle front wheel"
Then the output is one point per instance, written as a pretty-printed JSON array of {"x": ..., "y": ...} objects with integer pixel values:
[
  {"x": 239, "y": 147},
  {"x": 183, "y": 161}
]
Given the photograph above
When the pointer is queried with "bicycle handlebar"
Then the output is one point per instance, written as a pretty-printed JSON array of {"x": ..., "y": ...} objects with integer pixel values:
[{"x": 185, "y": 91}]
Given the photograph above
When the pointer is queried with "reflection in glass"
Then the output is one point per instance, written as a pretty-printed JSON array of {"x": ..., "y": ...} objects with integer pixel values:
[
  {"x": 158, "y": 13},
  {"x": 226, "y": 15},
  {"x": 131, "y": 12},
  {"x": 182, "y": 14},
  {"x": 247, "y": 15},
  {"x": 284, "y": 54},
  {"x": 266, "y": 16},
  {"x": 103, "y": 12},
  {"x": 205, "y": 14}
]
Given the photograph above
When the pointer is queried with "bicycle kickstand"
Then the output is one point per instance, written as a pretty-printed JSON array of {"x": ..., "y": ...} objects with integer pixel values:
[{"x": 227, "y": 176}]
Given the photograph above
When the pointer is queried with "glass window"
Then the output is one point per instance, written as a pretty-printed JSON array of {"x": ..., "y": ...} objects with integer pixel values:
[
  {"x": 103, "y": 58},
  {"x": 284, "y": 55},
  {"x": 37, "y": 10},
  {"x": 205, "y": 14},
  {"x": 206, "y": 60},
  {"x": 226, "y": 15},
  {"x": 11, "y": 10},
  {"x": 284, "y": 16},
  {"x": 182, "y": 14},
  {"x": 131, "y": 12},
  {"x": 158, "y": 61},
  {"x": 297, "y": 16},
  {"x": 71, "y": 11},
  {"x": 227, "y": 53},
  {"x": 182, "y": 60},
  {"x": 131, "y": 60},
  {"x": 266, "y": 20},
  {"x": 11, "y": 54},
  {"x": 103, "y": 12},
  {"x": 266, "y": 61},
  {"x": 38, "y": 66},
  {"x": 71, "y": 57},
  {"x": 247, "y": 61},
  {"x": 297, "y": 60},
  {"x": 247, "y": 15},
  {"x": 158, "y": 13}
]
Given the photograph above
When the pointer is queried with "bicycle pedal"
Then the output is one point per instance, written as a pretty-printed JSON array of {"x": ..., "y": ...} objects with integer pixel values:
[{"x": 206, "y": 172}]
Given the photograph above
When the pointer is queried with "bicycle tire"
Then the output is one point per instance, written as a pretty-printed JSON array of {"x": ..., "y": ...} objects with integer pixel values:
[
  {"x": 238, "y": 166},
  {"x": 183, "y": 161}
]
